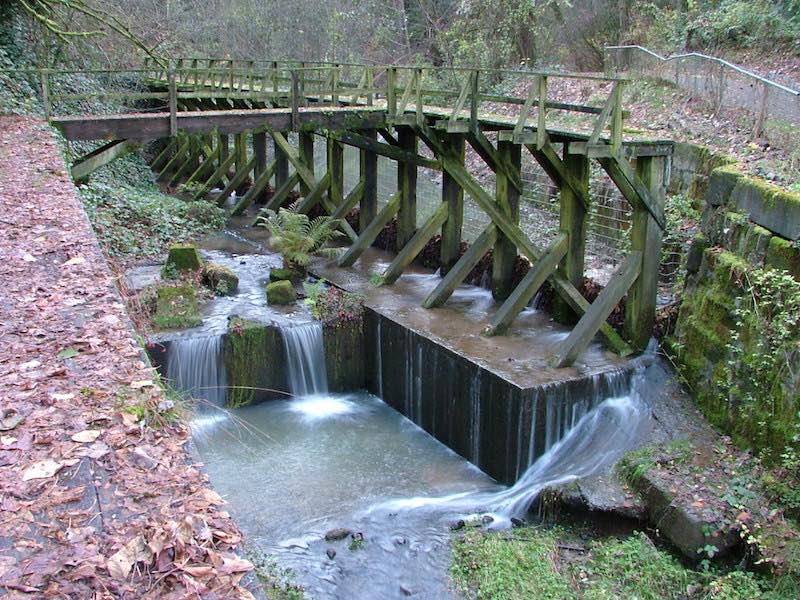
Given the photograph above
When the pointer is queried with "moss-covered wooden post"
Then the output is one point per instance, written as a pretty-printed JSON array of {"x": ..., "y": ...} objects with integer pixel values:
[
  {"x": 224, "y": 146},
  {"x": 336, "y": 171},
  {"x": 453, "y": 196},
  {"x": 368, "y": 166},
  {"x": 240, "y": 148},
  {"x": 646, "y": 237},
  {"x": 281, "y": 166},
  {"x": 407, "y": 186},
  {"x": 507, "y": 198},
  {"x": 306, "y": 152},
  {"x": 260, "y": 152},
  {"x": 574, "y": 220}
]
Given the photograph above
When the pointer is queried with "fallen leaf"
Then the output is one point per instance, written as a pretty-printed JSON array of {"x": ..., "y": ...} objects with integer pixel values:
[
  {"x": 119, "y": 565},
  {"x": 86, "y": 436},
  {"x": 68, "y": 353},
  {"x": 10, "y": 419},
  {"x": 41, "y": 469},
  {"x": 76, "y": 260},
  {"x": 28, "y": 258},
  {"x": 136, "y": 385}
]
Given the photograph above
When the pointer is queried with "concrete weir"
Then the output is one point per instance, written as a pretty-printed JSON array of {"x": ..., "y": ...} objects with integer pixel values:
[{"x": 495, "y": 401}]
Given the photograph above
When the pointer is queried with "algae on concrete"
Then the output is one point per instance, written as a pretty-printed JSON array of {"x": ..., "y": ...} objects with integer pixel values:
[
  {"x": 184, "y": 257},
  {"x": 254, "y": 362},
  {"x": 176, "y": 308},
  {"x": 220, "y": 279}
]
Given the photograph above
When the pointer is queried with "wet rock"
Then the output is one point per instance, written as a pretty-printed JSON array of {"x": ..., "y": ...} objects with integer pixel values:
[
  {"x": 334, "y": 535},
  {"x": 282, "y": 275},
  {"x": 601, "y": 494},
  {"x": 515, "y": 522},
  {"x": 456, "y": 525},
  {"x": 281, "y": 292},
  {"x": 407, "y": 590},
  {"x": 400, "y": 540},
  {"x": 220, "y": 279},
  {"x": 487, "y": 519},
  {"x": 331, "y": 553}
]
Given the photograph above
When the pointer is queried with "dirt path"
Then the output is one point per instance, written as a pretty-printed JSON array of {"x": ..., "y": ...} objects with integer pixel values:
[{"x": 94, "y": 503}]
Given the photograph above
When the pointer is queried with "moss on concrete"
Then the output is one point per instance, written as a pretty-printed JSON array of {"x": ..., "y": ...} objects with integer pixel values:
[
  {"x": 176, "y": 308},
  {"x": 253, "y": 356},
  {"x": 184, "y": 257},
  {"x": 783, "y": 254},
  {"x": 281, "y": 292},
  {"x": 282, "y": 275}
]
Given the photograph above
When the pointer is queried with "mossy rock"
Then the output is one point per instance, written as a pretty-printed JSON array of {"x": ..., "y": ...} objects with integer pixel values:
[
  {"x": 783, "y": 254},
  {"x": 283, "y": 275},
  {"x": 184, "y": 257},
  {"x": 220, "y": 279},
  {"x": 281, "y": 292},
  {"x": 176, "y": 308}
]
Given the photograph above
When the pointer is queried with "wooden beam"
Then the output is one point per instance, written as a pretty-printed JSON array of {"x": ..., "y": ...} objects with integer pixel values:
[
  {"x": 206, "y": 166},
  {"x": 462, "y": 268},
  {"x": 315, "y": 194},
  {"x": 632, "y": 187},
  {"x": 561, "y": 175},
  {"x": 507, "y": 197},
  {"x": 164, "y": 155},
  {"x": 364, "y": 142},
  {"x": 415, "y": 244},
  {"x": 335, "y": 160},
  {"x": 282, "y": 193},
  {"x": 177, "y": 159},
  {"x": 453, "y": 197},
  {"x": 255, "y": 192},
  {"x": 574, "y": 222},
  {"x": 372, "y": 231},
  {"x": 260, "y": 151},
  {"x": 186, "y": 167},
  {"x": 86, "y": 165},
  {"x": 598, "y": 312},
  {"x": 240, "y": 150},
  {"x": 646, "y": 237},
  {"x": 481, "y": 144},
  {"x": 353, "y": 198},
  {"x": 281, "y": 166},
  {"x": 407, "y": 186},
  {"x": 216, "y": 177},
  {"x": 237, "y": 180},
  {"x": 563, "y": 287},
  {"x": 368, "y": 167},
  {"x": 305, "y": 164},
  {"x": 529, "y": 285}
]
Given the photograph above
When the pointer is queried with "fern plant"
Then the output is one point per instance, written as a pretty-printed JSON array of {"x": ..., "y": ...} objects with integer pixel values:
[{"x": 298, "y": 238}]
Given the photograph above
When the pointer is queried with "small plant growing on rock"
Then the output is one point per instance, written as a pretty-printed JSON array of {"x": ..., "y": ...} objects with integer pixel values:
[{"x": 298, "y": 238}]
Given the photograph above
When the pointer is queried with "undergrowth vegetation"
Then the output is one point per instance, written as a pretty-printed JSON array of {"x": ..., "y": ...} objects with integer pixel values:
[{"x": 554, "y": 563}]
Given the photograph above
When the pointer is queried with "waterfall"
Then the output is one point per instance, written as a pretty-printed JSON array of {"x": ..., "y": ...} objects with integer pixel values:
[
  {"x": 195, "y": 367},
  {"x": 305, "y": 359},
  {"x": 596, "y": 434}
]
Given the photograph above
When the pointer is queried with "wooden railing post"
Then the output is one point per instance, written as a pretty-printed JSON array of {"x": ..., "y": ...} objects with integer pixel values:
[
  {"x": 369, "y": 82},
  {"x": 391, "y": 91},
  {"x": 453, "y": 196},
  {"x": 507, "y": 198},
  {"x": 573, "y": 222},
  {"x": 335, "y": 85},
  {"x": 646, "y": 237},
  {"x": 369, "y": 175},
  {"x": 294, "y": 100},
  {"x": 407, "y": 186},
  {"x": 173, "y": 103},
  {"x": 475, "y": 100}
]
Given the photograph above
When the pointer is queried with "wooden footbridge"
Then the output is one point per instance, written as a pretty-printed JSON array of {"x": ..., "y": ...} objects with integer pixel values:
[{"x": 387, "y": 111}]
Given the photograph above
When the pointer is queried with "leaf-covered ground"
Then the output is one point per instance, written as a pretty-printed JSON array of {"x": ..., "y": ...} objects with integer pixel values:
[{"x": 98, "y": 497}]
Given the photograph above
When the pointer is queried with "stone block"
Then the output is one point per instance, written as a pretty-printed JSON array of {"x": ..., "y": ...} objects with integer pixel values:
[
  {"x": 281, "y": 292},
  {"x": 768, "y": 205},
  {"x": 184, "y": 257}
]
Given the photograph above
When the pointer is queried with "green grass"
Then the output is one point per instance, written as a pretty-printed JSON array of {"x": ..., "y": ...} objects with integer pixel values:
[
  {"x": 526, "y": 563},
  {"x": 508, "y": 566}
]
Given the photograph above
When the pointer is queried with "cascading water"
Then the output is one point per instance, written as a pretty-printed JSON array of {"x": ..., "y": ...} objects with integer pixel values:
[
  {"x": 305, "y": 358},
  {"x": 596, "y": 439},
  {"x": 195, "y": 367}
]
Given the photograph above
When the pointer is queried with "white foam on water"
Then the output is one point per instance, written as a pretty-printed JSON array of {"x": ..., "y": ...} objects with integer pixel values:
[{"x": 322, "y": 406}]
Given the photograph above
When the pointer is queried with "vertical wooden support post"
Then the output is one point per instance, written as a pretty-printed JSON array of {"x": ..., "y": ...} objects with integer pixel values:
[
  {"x": 391, "y": 91},
  {"x": 646, "y": 237},
  {"x": 507, "y": 197},
  {"x": 574, "y": 222},
  {"x": 336, "y": 171},
  {"x": 240, "y": 148},
  {"x": 369, "y": 175},
  {"x": 306, "y": 152},
  {"x": 281, "y": 166},
  {"x": 453, "y": 196},
  {"x": 45, "y": 93},
  {"x": 224, "y": 146},
  {"x": 260, "y": 152},
  {"x": 407, "y": 186}
]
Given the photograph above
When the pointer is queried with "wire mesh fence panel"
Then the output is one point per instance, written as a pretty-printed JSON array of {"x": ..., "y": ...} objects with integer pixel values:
[{"x": 719, "y": 82}]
